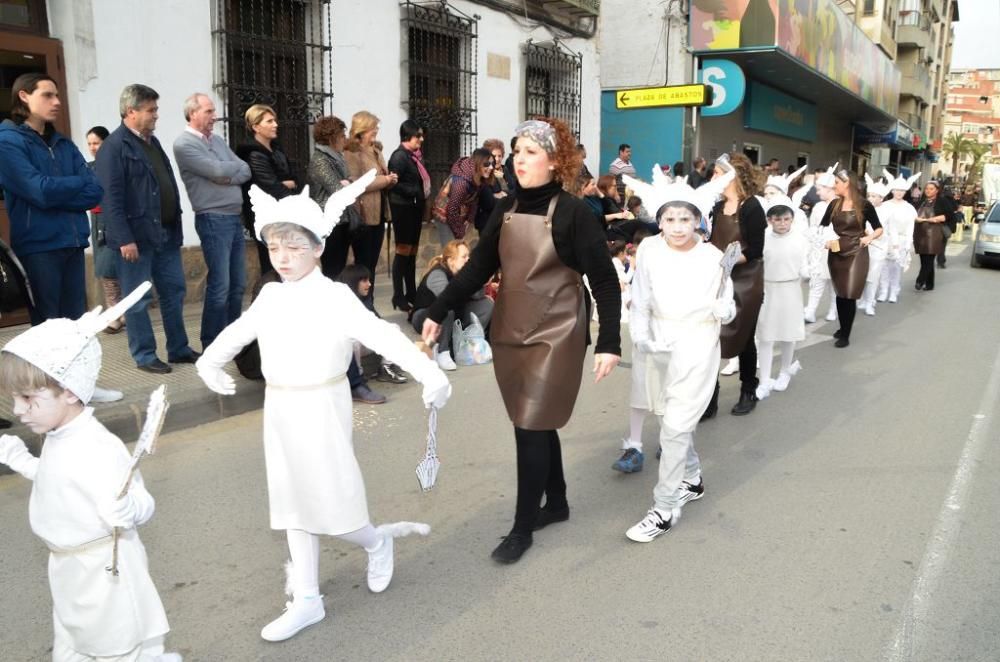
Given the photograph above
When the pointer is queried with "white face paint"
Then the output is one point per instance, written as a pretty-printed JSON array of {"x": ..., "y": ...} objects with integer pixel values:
[
  {"x": 875, "y": 199},
  {"x": 45, "y": 410},
  {"x": 825, "y": 193},
  {"x": 771, "y": 192},
  {"x": 678, "y": 225},
  {"x": 293, "y": 256},
  {"x": 898, "y": 194}
]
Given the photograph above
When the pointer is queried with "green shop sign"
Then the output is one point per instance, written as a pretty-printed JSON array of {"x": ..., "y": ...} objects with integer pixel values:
[{"x": 767, "y": 109}]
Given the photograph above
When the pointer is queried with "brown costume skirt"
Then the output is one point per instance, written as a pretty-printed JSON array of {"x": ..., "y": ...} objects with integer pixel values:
[
  {"x": 748, "y": 292},
  {"x": 928, "y": 238},
  {"x": 849, "y": 268}
]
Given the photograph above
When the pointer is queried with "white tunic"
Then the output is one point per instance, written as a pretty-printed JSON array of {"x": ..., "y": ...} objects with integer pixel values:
[
  {"x": 306, "y": 330},
  {"x": 898, "y": 218},
  {"x": 673, "y": 293},
  {"x": 81, "y": 467},
  {"x": 878, "y": 249},
  {"x": 786, "y": 261},
  {"x": 818, "y": 267}
]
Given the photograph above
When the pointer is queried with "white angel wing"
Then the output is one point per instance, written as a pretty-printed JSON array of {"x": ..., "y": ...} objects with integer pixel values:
[
  {"x": 869, "y": 181},
  {"x": 339, "y": 201},
  {"x": 264, "y": 205},
  {"x": 659, "y": 178},
  {"x": 96, "y": 321},
  {"x": 649, "y": 193}
]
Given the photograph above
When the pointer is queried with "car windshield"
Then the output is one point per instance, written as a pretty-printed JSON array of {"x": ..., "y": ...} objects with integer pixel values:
[{"x": 994, "y": 215}]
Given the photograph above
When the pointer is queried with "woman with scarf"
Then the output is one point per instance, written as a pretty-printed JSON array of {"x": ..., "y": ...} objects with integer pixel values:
[
  {"x": 544, "y": 239},
  {"x": 407, "y": 200},
  {"x": 933, "y": 211},
  {"x": 468, "y": 175}
]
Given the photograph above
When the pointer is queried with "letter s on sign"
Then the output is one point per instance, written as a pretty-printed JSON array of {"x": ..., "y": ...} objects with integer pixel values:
[
  {"x": 728, "y": 83},
  {"x": 714, "y": 76}
]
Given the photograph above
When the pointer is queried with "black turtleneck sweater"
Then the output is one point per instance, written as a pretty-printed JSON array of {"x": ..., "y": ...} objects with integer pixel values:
[{"x": 579, "y": 241}]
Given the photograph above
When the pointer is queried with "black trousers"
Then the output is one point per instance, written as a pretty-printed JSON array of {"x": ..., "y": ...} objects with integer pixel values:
[
  {"x": 748, "y": 367},
  {"x": 366, "y": 242},
  {"x": 539, "y": 472},
  {"x": 846, "y": 311},
  {"x": 926, "y": 275}
]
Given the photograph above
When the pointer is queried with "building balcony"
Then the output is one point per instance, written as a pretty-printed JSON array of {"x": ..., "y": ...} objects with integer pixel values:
[
  {"x": 914, "y": 30},
  {"x": 575, "y": 8},
  {"x": 912, "y": 120},
  {"x": 916, "y": 82}
]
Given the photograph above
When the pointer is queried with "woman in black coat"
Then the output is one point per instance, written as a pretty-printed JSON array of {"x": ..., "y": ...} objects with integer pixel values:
[
  {"x": 407, "y": 200},
  {"x": 269, "y": 168},
  {"x": 933, "y": 212}
]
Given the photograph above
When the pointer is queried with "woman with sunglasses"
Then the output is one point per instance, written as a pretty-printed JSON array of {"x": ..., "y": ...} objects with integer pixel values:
[
  {"x": 407, "y": 200},
  {"x": 847, "y": 238}
]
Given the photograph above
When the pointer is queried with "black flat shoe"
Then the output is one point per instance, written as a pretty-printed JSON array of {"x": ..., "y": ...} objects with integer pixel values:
[
  {"x": 402, "y": 304},
  {"x": 918, "y": 286},
  {"x": 838, "y": 333},
  {"x": 747, "y": 403},
  {"x": 713, "y": 405},
  {"x": 512, "y": 548},
  {"x": 841, "y": 343},
  {"x": 190, "y": 358},
  {"x": 156, "y": 366},
  {"x": 546, "y": 517}
]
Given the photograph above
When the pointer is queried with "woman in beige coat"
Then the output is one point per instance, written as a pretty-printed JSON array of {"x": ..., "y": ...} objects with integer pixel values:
[{"x": 362, "y": 153}]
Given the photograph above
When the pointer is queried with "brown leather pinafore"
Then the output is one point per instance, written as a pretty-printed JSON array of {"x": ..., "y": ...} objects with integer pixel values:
[
  {"x": 539, "y": 326},
  {"x": 748, "y": 287},
  {"x": 928, "y": 238},
  {"x": 849, "y": 266}
]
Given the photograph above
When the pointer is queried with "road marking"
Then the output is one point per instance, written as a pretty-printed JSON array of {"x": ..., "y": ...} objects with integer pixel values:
[{"x": 911, "y": 632}]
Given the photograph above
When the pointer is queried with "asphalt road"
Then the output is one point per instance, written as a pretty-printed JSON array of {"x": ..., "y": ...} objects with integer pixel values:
[{"x": 849, "y": 518}]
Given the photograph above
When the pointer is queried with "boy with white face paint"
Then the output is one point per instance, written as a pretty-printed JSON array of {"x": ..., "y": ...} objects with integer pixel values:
[
  {"x": 878, "y": 249},
  {"x": 306, "y": 327},
  {"x": 819, "y": 271},
  {"x": 679, "y": 301},
  {"x": 898, "y": 218},
  {"x": 51, "y": 370}
]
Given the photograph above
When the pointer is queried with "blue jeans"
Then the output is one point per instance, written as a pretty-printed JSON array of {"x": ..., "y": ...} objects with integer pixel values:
[
  {"x": 163, "y": 266},
  {"x": 58, "y": 283},
  {"x": 224, "y": 250}
]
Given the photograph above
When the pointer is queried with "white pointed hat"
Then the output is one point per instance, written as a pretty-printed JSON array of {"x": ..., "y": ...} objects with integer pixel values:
[
  {"x": 66, "y": 350},
  {"x": 900, "y": 183},
  {"x": 827, "y": 179},
  {"x": 662, "y": 190},
  {"x": 781, "y": 182},
  {"x": 879, "y": 188},
  {"x": 302, "y": 210}
]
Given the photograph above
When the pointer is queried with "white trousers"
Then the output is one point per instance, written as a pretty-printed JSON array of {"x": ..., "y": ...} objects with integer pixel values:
[
  {"x": 817, "y": 287},
  {"x": 62, "y": 651},
  {"x": 678, "y": 462},
  {"x": 303, "y": 548},
  {"x": 892, "y": 276}
]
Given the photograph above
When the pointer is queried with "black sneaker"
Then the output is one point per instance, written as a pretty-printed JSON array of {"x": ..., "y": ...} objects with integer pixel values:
[
  {"x": 691, "y": 492},
  {"x": 748, "y": 400},
  {"x": 366, "y": 395},
  {"x": 547, "y": 516},
  {"x": 390, "y": 373},
  {"x": 512, "y": 548}
]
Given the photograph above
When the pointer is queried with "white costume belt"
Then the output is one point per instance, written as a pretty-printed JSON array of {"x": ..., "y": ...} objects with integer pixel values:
[
  {"x": 87, "y": 546},
  {"x": 686, "y": 322},
  {"x": 309, "y": 387}
]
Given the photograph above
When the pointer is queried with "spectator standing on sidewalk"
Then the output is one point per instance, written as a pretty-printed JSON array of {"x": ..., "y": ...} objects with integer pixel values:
[
  {"x": 697, "y": 176},
  {"x": 212, "y": 175},
  {"x": 407, "y": 200},
  {"x": 622, "y": 166},
  {"x": 48, "y": 189},
  {"x": 143, "y": 214},
  {"x": 105, "y": 259},
  {"x": 327, "y": 174}
]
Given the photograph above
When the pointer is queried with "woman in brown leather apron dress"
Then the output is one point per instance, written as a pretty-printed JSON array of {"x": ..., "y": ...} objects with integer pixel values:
[
  {"x": 542, "y": 239},
  {"x": 739, "y": 217},
  {"x": 848, "y": 240},
  {"x": 928, "y": 232}
]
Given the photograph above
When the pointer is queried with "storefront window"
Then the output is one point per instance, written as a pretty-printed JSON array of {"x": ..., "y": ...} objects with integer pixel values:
[{"x": 24, "y": 16}]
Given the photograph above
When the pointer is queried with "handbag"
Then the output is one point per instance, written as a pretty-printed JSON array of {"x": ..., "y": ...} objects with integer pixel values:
[
  {"x": 440, "y": 211},
  {"x": 470, "y": 343},
  {"x": 15, "y": 291}
]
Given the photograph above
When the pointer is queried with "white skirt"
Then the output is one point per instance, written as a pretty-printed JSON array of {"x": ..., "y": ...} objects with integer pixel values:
[{"x": 781, "y": 314}]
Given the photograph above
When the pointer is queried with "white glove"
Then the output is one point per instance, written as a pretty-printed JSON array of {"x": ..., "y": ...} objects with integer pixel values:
[
  {"x": 15, "y": 455},
  {"x": 217, "y": 380},
  {"x": 118, "y": 512},
  {"x": 724, "y": 310},
  {"x": 653, "y": 346},
  {"x": 437, "y": 390}
]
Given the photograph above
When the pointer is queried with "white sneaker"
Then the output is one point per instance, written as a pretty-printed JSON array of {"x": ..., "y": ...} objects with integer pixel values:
[
  {"x": 169, "y": 657},
  {"x": 832, "y": 315},
  {"x": 764, "y": 388},
  {"x": 810, "y": 315},
  {"x": 732, "y": 367},
  {"x": 104, "y": 395},
  {"x": 784, "y": 378},
  {"x": 380, "y": 565},
  {"x": 894, "y": 297},
  {"x": 299, "y": 614},
  {"x": 882, "y": 297},
  {"x": 870, "y": 311},
  {"x": 444, "y": 361},
  {"x": 653, "y": 524}
]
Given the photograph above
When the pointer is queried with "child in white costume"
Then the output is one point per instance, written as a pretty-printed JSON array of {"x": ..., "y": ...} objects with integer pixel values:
[
  {"x": 898, "y": 217},
  {"x": 675, "y": 320},
  {"x": 819, "y": 271},
  {"x": 306, "y": 327},
  {"x": 786, "y": 262},
  {"x": 776, "y": 193},
  {"x": 51, "y": 369},
  {"x": 878, "y": 249}
]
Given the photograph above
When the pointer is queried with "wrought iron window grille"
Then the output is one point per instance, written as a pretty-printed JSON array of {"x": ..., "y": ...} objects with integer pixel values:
[
  {"x": 439, "y": 76},
  {"x": 277, "y": 53},
  {"x": 553, "y": 82}
]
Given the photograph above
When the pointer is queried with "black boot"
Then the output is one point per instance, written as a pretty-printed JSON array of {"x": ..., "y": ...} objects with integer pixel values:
[
  {"x": 512, "y": 548},
  {"x": 410, "y": 278},
  {"x": 399, "y": 301},
  {"x": 713, "y": 405},
  {"x": 748, "y": 400}
]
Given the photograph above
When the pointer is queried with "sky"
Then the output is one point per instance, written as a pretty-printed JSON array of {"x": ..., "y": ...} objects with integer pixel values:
[{"x": 975, "y": 35}]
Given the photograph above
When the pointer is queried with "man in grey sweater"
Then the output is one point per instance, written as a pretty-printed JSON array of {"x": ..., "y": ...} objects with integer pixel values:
[{"x": 212, "y": 175}]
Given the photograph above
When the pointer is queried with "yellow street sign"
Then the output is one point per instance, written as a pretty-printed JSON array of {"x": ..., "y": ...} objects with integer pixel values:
[{"x": 672, "y": 95}]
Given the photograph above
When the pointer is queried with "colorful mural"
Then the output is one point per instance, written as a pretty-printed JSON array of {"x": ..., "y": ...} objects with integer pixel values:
[{"x": 815, "y": 32}]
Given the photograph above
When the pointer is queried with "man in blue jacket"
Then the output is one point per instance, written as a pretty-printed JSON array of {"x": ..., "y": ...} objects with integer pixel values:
[
  {"x": 142, "y": 212},
  {"x": 48, "y": 189}
]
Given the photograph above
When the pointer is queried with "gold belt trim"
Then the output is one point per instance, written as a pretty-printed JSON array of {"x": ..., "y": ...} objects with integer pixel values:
[
  {"x": 93, "y": 544},
  {"x": 309, "y": 387}
]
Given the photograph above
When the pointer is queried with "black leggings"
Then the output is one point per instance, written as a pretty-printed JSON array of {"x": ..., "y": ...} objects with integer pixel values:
[
  {"x": 846, "y": 310},
  {"x": 539, "y": 472},
  {"x": 926, "y": 275},
  {"x": 748, "y": 367}
]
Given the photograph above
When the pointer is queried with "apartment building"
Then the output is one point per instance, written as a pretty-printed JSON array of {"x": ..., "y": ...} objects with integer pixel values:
[{"x": 972, "y": 110}]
